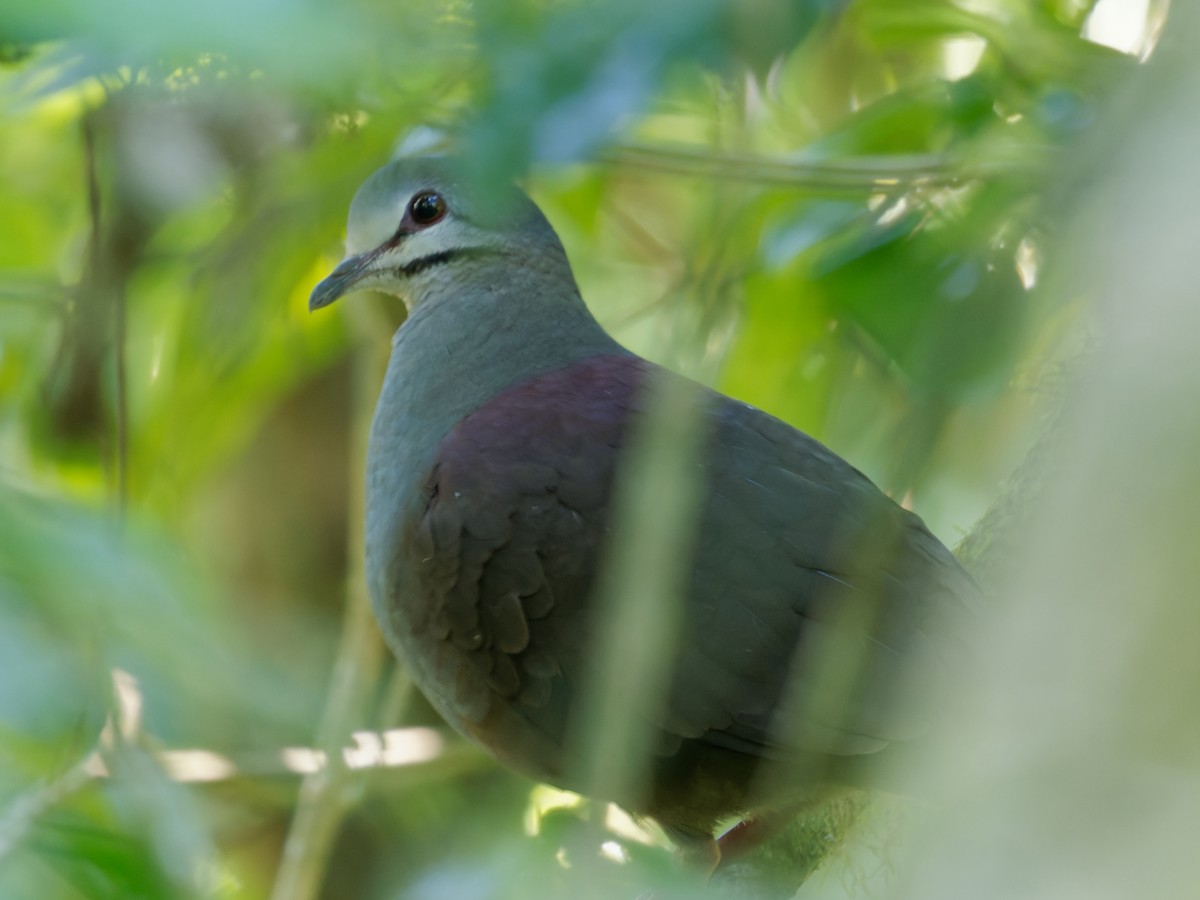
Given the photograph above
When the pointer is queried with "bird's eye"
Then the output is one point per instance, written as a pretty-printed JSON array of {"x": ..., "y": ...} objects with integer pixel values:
[{"x": 427, "y": 208}]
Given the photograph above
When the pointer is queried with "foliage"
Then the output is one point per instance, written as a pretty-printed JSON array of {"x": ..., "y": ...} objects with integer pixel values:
[{"x": 841, "y": 212}]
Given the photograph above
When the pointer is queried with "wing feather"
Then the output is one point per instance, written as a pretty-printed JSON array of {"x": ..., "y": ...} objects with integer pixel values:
[{"x": 802, "y": 567}]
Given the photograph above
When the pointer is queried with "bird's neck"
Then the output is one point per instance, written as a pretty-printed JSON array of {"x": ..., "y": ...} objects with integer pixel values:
[
  {"x": 462, "y": 345},
  {"x": 469, "y": 337}
]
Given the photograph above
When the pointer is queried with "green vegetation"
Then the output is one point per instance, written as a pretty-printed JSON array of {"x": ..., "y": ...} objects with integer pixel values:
[{"x": 893, "y": 223}]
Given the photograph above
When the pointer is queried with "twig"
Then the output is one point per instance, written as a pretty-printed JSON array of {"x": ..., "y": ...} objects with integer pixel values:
[
  {"x": 100, "y": 274},
  {"x": 868, "y": 173},
  {"x": 30, "y": 805},
  {"x": 122, "y": 399}
]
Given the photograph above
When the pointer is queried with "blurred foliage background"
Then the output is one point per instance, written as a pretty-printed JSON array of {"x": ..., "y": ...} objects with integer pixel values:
[{"x": 851, "y": 214}]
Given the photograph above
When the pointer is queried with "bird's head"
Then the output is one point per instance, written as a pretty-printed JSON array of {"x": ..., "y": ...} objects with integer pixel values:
[{"x": 415, "y": 223}]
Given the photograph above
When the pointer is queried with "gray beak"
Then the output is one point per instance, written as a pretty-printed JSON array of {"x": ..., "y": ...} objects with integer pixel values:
[{"x": 340, "y": 280}]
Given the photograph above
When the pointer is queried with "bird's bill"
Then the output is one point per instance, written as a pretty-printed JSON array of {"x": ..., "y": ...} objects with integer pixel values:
[{"x": 340, "y": 281}]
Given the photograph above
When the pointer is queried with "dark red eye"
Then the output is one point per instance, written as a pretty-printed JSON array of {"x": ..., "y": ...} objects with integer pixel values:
[{"x": 427, "y": 208}]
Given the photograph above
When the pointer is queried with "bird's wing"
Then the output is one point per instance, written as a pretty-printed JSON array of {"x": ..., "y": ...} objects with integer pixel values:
[
  {"x": 506, "y": 548},
  {"x": 815, "y": 601},
  {"x": 808, "y": 589}
]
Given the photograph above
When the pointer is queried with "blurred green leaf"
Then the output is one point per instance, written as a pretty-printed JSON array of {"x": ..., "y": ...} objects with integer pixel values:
[
  {"x": 944, "y": 304},
  {"x": 830, "y": 210}
]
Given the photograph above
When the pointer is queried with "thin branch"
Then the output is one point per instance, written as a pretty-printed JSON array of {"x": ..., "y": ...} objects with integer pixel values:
[
  {"x": 122, "y": 399},
  {"x": 867, "y": 173},
  {"x": 29, "y": 806},
  {"x": 99, "y": 272}
]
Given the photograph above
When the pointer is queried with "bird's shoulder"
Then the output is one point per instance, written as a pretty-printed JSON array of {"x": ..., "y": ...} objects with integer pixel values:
[{"x": 503, "y": 549}]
